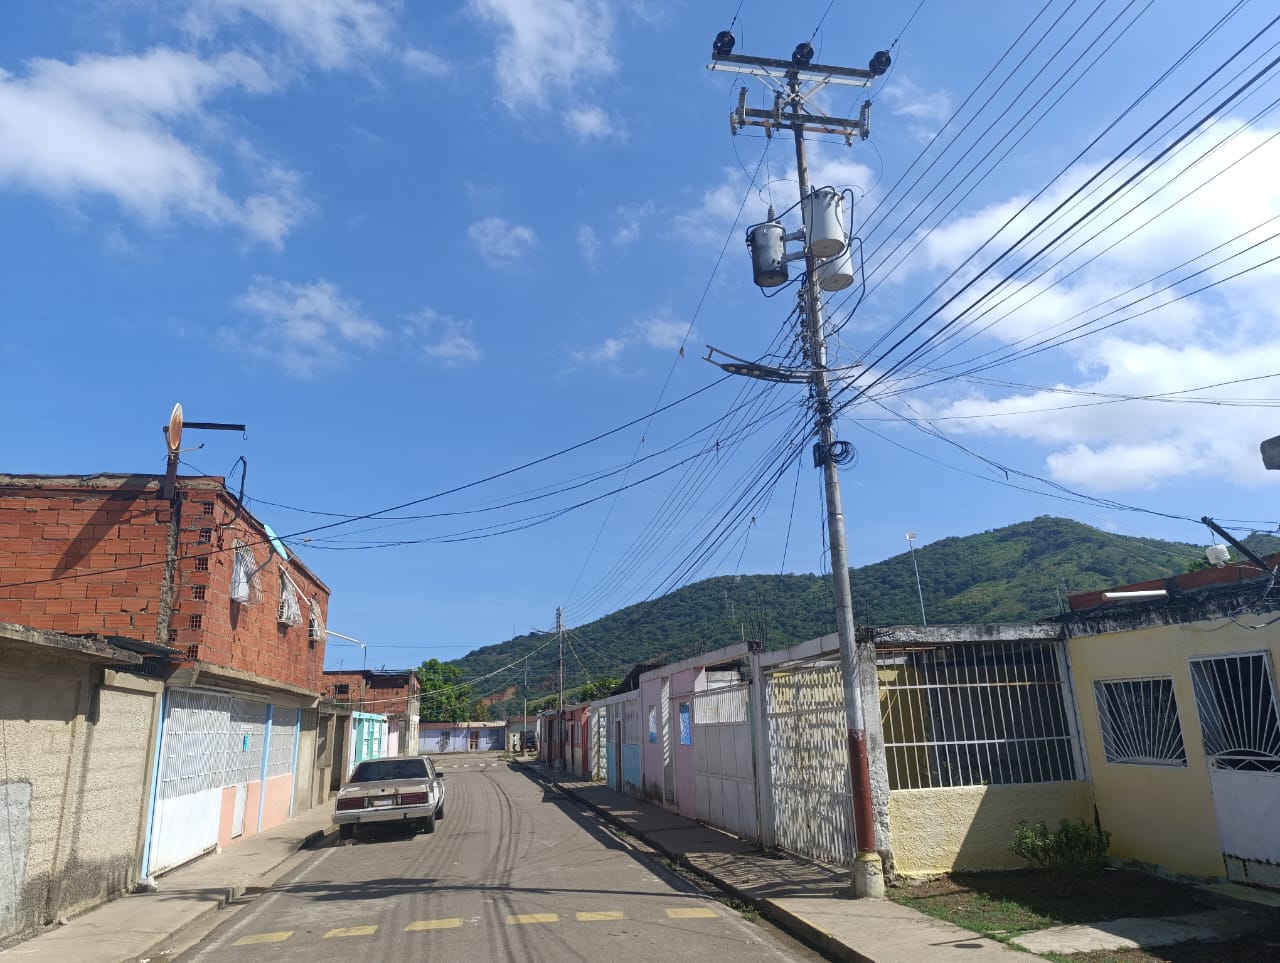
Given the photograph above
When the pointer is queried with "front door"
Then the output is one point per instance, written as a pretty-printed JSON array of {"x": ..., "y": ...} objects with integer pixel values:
[
  {"x": 1240, "y": 722},
  {"x": 473, "y": 740}
]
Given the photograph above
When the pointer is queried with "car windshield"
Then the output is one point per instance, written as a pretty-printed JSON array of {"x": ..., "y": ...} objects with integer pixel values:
[{"x": 376, "y": 770}]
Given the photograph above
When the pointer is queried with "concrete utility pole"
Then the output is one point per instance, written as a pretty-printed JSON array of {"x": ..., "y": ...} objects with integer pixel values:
[
  {"x": 790, "y": 111},
  {"x": 560, "y": 640}
]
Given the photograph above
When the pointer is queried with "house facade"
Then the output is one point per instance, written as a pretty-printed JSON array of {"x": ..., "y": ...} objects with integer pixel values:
[
  {"x": 1178, "y": 708},
  {"x": 446, "y": 737},
  {"x": 394, "y": 694},
  {"x": 231, "y": 622}
]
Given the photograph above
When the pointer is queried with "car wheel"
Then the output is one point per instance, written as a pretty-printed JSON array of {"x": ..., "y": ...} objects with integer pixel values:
[
  {"x": 440, "y": 812},
  {"x": 429, "y": 824},
  {"x": 346, "y": 831}
]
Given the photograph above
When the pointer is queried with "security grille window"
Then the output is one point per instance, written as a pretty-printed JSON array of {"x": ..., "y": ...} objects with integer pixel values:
[
  {"x": 244, "y": 574},
  {"x": 315, "y": 622},
  {"x": 976, "y": 714},
  {"x": 1236, "y": 698},
  {"x": 1140, "y": 722},
  {"x": 289, "y": 613},
  {"x": 686, "y": 725}
]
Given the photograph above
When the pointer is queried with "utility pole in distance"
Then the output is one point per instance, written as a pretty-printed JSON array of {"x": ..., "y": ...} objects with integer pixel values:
[
  {"x": 560, "y": 639},
  {"x": 828, "y": 266}
]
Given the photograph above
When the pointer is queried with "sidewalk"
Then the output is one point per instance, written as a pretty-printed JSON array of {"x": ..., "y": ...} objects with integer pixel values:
[
  {"x": 807, "y": 900},
  {"x": 136, "y": 925}
]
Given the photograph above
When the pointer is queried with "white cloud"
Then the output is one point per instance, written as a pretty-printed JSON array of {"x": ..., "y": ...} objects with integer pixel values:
[
  {"x": 660, "y": 333},
  {"x": 605, "y": 353},
  {"x": 903, "y": 97},
  {"x": 588, "y": 123},
  {"x": 1189, "y": 340},
  {"x": 332, "y": 33},
  {"x": 305, "y": 328},
  {"x": 588, "y": 243},
  {"x": 548, "y": 47},
  {"x": 501, "y": 243},
  {"x": 442, "y": 338},
  {"x": 424, "y": 62},
  {"x": 128, "y": 127}
]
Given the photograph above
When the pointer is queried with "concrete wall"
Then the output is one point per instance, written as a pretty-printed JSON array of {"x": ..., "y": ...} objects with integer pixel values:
[
  {"x": 76, "y": 745},
  {"x": 970, "y": 827},
  {"x": 1185, "y": 837},
  {"x": 304, "y": 789},
  {"x": 436, "y": 738}
]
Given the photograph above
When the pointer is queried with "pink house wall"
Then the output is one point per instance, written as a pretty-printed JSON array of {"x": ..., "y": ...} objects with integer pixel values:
[
  {"x": 683, "y": 685},
  {"x": 275, "y": 807}
]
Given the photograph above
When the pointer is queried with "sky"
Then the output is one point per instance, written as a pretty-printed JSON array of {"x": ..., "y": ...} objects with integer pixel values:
[{"x": 456, "y": 266}]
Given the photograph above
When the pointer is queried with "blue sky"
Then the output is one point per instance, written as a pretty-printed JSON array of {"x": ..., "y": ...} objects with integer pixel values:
[{"x": 415, "y": 245}]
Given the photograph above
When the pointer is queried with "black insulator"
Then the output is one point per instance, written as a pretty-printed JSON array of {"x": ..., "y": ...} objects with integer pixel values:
[
  {"x": 723, "y": 45},
  {"x": 880, "y": 63},
  {"x": 803, "y": 55}
]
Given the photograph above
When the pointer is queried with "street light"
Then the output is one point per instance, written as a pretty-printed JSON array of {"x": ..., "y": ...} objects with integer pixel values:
[
  {"x": 911, "y": 536},
  {"x": 364, "y": 649}
]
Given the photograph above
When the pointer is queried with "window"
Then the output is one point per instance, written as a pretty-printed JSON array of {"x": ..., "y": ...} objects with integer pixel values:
[
  {"x": 289, "y": 613},
  {"x": 1236, "y": 698},
  {"x": 197, "y": 592},
  {"x": 206, "y": 536},
  {"x": 206, "y": 508},
  {"x": 653, "y": 723},
  {"x": 315, "y": 622},
  {"x": 202, "y": 563},
  {"x": 686, "y": 725},
  {"x": 379, "y": 769},
  {"x": 194, "y": 621},
  {"x": 1140, "y": 722},
  {"x": 244, "y": 574}
]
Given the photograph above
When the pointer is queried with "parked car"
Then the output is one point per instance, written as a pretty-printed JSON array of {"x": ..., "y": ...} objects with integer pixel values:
[{"x": 393, "y": 789}]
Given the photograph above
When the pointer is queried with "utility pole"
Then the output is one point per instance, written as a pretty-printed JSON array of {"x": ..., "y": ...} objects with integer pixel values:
[
  {"x": 524, "y": 716},
  {"x": 560, "y": 639},
  {"x": 911, "y": 544},
  {"x": 770, "y": 258}
]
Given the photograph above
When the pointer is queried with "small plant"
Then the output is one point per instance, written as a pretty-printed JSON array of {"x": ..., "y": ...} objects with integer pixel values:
[{"x": 1067, "y": 855}]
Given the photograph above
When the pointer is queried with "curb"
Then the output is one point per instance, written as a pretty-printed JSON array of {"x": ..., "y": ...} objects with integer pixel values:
[{"x": 802, "y": 929}]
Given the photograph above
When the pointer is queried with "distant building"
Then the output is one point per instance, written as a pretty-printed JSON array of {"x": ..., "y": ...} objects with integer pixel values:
[
  {"x": 394, "y": 694},
  {"x": 434, "y": 737}
]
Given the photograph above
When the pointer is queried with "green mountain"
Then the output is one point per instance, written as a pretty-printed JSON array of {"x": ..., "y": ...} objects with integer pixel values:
[{"x": 1019, "y": 573}]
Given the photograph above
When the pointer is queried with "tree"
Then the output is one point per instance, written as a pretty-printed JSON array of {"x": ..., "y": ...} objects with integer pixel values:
[{"x": 444, "y": 696}]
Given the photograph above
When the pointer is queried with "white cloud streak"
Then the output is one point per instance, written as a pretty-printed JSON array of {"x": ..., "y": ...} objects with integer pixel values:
[{"x": 500, "y": 242}]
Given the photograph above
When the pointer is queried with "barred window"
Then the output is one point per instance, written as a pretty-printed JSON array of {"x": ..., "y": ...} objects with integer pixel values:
[
  {"x": 1140, "y": 722},
  {"x": 1236, "y": 698},
  {"x": 289, "y": 613},
  {"x": 244, "y": 574}
]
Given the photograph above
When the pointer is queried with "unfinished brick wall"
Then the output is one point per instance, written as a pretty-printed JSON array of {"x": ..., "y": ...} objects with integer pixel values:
[
  {"x": 389, "y": 693},
  {"x": 87, "y": 554},
  {"x": 87, "y": 560}
]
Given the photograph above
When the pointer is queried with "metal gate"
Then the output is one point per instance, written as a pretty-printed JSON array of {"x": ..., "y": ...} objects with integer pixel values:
[
  {"x": 209, "y": 741},
  {"x": 808, "y": 756},
  {"x": 1240, "y": 721},
  {"x": 724, "y": 766}
]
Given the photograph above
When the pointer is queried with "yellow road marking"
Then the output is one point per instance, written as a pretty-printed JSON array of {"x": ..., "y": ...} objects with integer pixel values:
[
  {"x": 278, "y": 937},
  {"x": 533, "y": 918},
  {"x": 449, "y": 924},
  {"x": 692, "y": 913},
  {"x": 352, "y": 931},
  {"x": 603, "y": 915}
]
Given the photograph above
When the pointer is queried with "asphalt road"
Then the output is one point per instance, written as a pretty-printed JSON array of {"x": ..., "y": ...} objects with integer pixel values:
[{"x": 513, "y": 872}]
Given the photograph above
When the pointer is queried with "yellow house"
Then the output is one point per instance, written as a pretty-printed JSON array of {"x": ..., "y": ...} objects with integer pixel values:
[{"x": 1176, "y": 694}]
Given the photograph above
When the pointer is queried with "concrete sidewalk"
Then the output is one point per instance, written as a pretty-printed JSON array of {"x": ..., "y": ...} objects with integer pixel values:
[
  {"x": 135, "y": 926},
  {"x": 807, "y": 900}
]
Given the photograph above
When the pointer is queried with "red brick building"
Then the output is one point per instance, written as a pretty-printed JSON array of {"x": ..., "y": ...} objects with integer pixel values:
[
  {"x": 225, "y": 615},
  {"x": 107, "y": 554},
  {"x": 393, "y": 693}
]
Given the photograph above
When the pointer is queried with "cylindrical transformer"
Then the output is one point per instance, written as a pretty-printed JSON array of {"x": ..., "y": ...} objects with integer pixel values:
[
  {"x": 768, "y": 254},
  {"x": 836, "y": 273},
  {"x": 824, "y": 234}
]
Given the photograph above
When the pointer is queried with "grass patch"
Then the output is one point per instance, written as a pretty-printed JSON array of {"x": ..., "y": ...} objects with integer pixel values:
[{"x": 1004, "y": 905}]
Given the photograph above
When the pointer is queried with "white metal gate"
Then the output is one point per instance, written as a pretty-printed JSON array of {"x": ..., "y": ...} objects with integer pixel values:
[
  {"x": 808, "y": 756},
  {"x": 724, "y": 771},
  {"x": 193, "y": 747},
  {"x": 1240, "y": 722}
]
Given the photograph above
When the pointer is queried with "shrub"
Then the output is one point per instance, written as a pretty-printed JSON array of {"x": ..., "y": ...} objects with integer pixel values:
[{"x": 1068, "y": 854}]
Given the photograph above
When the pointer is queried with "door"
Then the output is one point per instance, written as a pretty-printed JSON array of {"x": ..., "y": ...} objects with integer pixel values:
[
  {"x": 473, "y": 740},
  {"x": 237, "y": 820},
  {"x": 1240, "y": 722}
]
